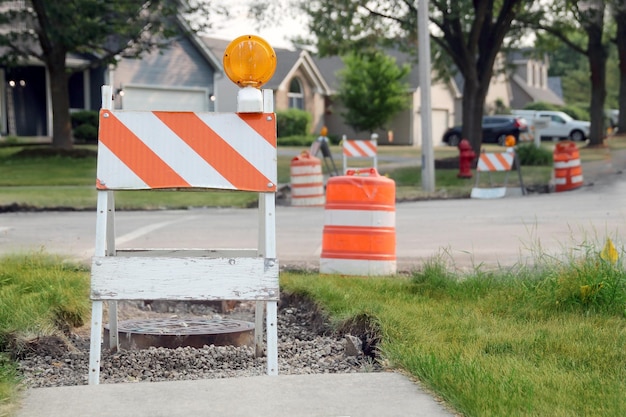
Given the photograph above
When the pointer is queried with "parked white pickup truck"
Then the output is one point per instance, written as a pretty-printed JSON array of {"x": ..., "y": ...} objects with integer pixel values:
[{"x": 555, "y": 124}]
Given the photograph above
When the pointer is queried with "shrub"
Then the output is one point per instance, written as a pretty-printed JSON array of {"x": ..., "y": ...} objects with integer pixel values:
[
  {"x": 531, "y": 155},
  {"x": 292, "y": 122},
  {"x": 296, "y": 140},
  {"x": 85, "y": 126},
  {"x": 575, "y": 111},
  {"x": 85, "y": 117},
  {"x": 540, "y": 105},
  {"x": 86, "y": 133}
]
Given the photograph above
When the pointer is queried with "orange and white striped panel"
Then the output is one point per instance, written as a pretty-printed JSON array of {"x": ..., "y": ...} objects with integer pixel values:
[
  {"x": 496, "y": 161},
  {"x": 359, "y": 148},
  {"x": 157, "y": 149}
]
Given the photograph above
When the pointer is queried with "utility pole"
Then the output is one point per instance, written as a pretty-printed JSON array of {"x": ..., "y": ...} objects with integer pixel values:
[{"x": 423, "y": 46}]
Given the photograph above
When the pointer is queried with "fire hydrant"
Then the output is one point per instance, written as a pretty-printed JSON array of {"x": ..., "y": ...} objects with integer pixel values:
[{"x": 466, "y": 157}]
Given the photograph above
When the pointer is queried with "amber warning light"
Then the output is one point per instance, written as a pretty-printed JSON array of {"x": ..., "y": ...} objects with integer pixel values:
[{"x": 249, "y": 61}]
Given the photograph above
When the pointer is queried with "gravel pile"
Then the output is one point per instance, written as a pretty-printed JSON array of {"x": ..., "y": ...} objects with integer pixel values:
[{"x": 303, "y": 348}]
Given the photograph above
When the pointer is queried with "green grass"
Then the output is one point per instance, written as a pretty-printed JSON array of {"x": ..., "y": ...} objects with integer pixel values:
[
  {"x": 545, "y": 339},
  {"x": 70, "y": 182},
  {"x": 39, "y": 296},
  {"x": 499, "y": 343}
]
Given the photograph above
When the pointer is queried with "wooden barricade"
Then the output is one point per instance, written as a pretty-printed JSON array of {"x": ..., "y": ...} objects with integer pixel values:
[
  {"x": 146, "y": 150},
  {"x": 496, "y": 162},
  {"x": 367, "y": 149}
]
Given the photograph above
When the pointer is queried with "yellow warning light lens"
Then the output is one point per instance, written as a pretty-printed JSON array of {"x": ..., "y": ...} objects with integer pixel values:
[{"x": 249, "y": 61}]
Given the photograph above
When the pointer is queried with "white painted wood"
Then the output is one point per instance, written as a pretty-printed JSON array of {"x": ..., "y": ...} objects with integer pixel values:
[
  {"x": 95, "y": 342},
  {"x": 116, "y": 278},
  {"x": 272, "y": 338},
  {"x": 258, "y": 328},
  {"x": 267, "y": 225},
  {"x": 268, "y": 101},
  {"x": 186, "y": 274},
  {"x": 107, "y": 97},
  {"x": 187, "y": 253},
  {"x": 114, "y": 343}
]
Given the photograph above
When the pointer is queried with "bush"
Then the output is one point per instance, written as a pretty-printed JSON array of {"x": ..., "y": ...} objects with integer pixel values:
[
  {"x": 296, "y": 140},
  {"x": 540, "y": 105},
  {"x": 292, "y": 122},
  {"x": 531, "y": 155},
  {"x": 85, "y": 126},
  {"x": 575, "y": 111},
  {"x": 85, "y": 117},
  {"x": 86, "y": 134}
]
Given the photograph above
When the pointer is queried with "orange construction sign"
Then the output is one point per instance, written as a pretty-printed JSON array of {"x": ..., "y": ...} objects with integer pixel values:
[{"x": 156, "y": 149}]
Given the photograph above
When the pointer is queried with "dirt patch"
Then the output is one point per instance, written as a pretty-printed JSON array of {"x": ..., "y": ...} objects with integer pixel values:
[{"x": 362, "y": 327}]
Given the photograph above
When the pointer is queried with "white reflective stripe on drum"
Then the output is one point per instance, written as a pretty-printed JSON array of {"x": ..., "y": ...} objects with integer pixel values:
[
  {"x": 357, "y": 267},
  {"x": 360, "y": 218}
]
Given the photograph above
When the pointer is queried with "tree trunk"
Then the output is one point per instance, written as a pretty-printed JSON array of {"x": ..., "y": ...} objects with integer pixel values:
[
  {"x": 473, "y": 110},
  {"x": 597, "y": 56},
  {"x": 620, "y": 18},
  {"x": 61, "y": 120}
]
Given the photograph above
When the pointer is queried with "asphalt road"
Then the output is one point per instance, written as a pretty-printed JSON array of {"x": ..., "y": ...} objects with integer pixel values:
[{"x": 468, "y": 232}]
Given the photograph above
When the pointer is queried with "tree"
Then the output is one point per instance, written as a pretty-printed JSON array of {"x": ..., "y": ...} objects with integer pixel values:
[
  {"x": 565, "y": 22},
  {"x": 619, "y": 15},
  {"x": 373, "y": 90},
  {"x": 49, "y": 30},
  {"x": 468, "y": 37}
]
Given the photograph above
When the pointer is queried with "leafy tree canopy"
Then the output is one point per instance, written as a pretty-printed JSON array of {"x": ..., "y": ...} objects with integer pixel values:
[
  {"x": 48, "y": 30},
  {"x": 373, "y": 89}
]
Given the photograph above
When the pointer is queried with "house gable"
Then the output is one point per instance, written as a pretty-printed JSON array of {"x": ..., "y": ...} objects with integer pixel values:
[{"x": 168, "y": 79}]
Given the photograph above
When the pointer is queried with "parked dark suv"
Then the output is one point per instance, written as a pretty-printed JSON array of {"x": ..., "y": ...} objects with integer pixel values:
[{"x": 495, "y": 129}]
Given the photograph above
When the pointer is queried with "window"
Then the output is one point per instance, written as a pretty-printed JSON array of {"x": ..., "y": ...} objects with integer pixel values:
[{"x": 296, "y": 95}]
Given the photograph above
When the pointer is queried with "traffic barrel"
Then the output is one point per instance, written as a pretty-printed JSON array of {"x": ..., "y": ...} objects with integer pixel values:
[
  {"x": 307, "y": 181},
  {"x": 359, "y": 236},
  {"x": 568, "y": 172}
]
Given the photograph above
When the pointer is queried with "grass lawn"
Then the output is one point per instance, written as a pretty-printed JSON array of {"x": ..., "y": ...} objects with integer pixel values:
[
  {"x": 513, "y": 342},
  {"x": 48, "y": 182},
  {"x": 546, "y": 340}
]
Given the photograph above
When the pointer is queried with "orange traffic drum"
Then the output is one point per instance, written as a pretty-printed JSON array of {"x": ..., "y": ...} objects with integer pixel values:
[
  {"x": 307, "y": 181},
  {"x": 359, "y": 235},
  {"x": 568, "y": 173}
]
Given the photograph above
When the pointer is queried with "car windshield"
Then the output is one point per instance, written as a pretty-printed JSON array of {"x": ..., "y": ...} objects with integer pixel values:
[{"x": 566, "y": 117}]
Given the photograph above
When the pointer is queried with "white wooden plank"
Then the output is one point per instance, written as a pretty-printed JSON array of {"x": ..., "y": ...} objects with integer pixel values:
[
  {"x": 119, "y": 278},
  {"x": 187, "y": 253}
]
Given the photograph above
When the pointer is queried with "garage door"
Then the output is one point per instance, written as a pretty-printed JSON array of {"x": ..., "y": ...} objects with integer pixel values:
[
  {"x": 171, "y": 99},
  {"x": 437, "y": 129},
  {"x": 440, "y": 125}
]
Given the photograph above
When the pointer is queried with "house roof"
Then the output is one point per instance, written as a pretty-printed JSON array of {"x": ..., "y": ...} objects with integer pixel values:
[
  {"x": 329, "y": 67},
  {"x": 537, "y": 94},
  {"x": 554, "y": 84}
]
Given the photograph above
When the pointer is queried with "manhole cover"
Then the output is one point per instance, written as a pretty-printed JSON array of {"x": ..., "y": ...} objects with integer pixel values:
[{"x": 173, "y": 333}]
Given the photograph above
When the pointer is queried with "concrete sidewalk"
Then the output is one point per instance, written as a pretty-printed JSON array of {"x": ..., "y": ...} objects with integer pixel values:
[{"x": 319, "y": 395}]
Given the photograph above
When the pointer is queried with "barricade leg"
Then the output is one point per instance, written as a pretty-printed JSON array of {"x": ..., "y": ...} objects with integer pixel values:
[
  {"x": 95, "y": 342},
  {"x": 272, "y": 338},
  {"x": 258, "y": 328}
]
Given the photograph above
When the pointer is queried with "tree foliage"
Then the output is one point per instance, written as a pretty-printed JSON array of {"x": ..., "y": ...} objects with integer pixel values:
[
  {"x": 467, "y": 38},
  {"x": 567, "y": 22},
  {"x": 48, "y": 30},
  {"x": 373, "y": 89}
]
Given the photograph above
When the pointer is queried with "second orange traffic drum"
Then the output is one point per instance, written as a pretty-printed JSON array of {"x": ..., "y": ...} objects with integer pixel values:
[{"x": 359, "y": 235}]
